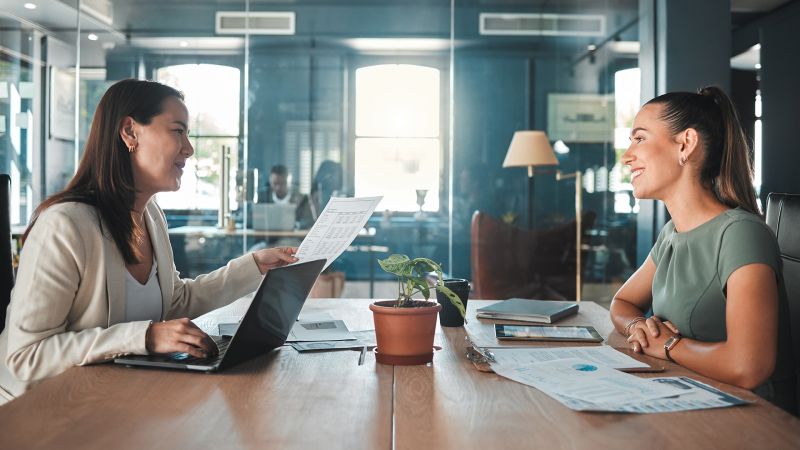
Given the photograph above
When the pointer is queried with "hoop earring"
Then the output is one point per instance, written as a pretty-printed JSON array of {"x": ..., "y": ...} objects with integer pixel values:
[
  {"x": 132, "y": 148},
  {"x": 682, "y": 161}
]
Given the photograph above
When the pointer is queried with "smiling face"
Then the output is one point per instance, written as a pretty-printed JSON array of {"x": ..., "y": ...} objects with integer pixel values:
[
  {"x": 653, "y": 155},
  {"x": 162, "y": 147}
]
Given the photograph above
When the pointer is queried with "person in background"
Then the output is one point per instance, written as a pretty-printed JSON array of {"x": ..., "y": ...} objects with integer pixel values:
[
  {"x": 96, "y": 275},
  {"x": 713, "y": 278},
  {"x": 327, "y": 184},
  {"x": 278, "y": 189}
]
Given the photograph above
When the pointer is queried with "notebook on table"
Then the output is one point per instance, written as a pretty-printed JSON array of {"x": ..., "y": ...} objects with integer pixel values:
[{"x": 526, "y": 310}]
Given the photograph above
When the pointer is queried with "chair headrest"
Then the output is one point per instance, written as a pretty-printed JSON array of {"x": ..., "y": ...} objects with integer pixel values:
[{"x": 783, "y": 216}]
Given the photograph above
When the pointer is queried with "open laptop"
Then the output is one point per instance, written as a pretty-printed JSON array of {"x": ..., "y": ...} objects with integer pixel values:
[
  {"x": 274, "y": 216},
  {"x": 265, "y": 325}
]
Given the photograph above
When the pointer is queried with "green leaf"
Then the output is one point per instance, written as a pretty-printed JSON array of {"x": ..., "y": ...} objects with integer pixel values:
[
  {"x": 395, "y": 264},
  {"x": 426, "y": 265},
  {"x": 421, "y": 283},
  {"x": 454, "y": 299}
]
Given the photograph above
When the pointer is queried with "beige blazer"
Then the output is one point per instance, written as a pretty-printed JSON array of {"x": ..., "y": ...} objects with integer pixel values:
[{"x": 68, "y": 304}]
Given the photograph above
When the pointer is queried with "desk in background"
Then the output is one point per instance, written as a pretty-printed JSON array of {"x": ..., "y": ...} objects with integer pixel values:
[
  {"x": 326, "y": 400},
  {"x": 202, "y": 249}
]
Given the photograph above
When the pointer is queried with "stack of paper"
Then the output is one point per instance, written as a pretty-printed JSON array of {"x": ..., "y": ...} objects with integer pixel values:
[
  {"x": 584, "y": 385},
  {"x": 320, "y": 331}
]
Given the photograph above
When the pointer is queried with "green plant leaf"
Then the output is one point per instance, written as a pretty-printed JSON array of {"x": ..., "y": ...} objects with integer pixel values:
[
  {"x": 454, "y": 299},
  {"x": 426, "y": 265},
  {"x": 396, "y": 264},
  {"x": 421, "y": 284}
]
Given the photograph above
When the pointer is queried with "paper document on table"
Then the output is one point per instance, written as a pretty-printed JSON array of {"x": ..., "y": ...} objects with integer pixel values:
[
  {"x": 585, "y": 386},
  {"x": 696, "y": 395},
  {"x": 328, "y": 330},
  {"x": 599, "y": 354},
  {"x": 231, "y": 313},
  {"x": 336, "y": 228},
  {"x": 363, "y": 338}
]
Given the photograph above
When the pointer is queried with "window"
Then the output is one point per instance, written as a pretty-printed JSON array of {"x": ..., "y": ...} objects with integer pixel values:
[
  {"x": 626, "y": 104},
  {"x": 397, "y": 135},
  {"x": 212, "y": 96}
]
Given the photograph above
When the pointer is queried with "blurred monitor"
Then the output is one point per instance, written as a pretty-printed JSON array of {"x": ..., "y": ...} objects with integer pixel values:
[{"x": 273, "y": 217}]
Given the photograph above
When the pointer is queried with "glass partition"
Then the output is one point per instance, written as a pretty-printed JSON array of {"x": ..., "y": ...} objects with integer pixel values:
[
  {"x": 300, "y": 101},
  {"x": 567, "y": 69}
]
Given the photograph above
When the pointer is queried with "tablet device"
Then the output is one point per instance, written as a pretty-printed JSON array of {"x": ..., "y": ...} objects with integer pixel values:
[{"x": 578, "y": 333}]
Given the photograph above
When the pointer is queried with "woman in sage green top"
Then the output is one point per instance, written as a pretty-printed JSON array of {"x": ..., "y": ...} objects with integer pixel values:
[{"x": 713, "y": 278}]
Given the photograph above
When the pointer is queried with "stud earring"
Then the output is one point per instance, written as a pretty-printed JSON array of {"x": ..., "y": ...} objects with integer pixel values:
[{"x": 682, "y": 161}]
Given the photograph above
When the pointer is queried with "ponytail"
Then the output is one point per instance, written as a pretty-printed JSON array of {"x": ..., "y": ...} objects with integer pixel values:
[
  {"x": 734, "y": 183},
  {"x": 727, "y": 168}
]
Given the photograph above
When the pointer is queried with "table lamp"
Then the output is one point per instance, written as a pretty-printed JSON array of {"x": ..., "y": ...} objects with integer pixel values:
[{"x": 530, "y": 149}]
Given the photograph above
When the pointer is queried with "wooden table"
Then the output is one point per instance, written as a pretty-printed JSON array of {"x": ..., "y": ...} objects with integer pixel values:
[{"x": 326, "y": 400}]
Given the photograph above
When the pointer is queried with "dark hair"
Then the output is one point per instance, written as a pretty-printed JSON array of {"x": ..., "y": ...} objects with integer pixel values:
[
  {"x": 279, "y": 169},
  {"x": 727, "y": 168},
  {"x": 104, "y": 178},
  {"x": 328, "y": 177}
]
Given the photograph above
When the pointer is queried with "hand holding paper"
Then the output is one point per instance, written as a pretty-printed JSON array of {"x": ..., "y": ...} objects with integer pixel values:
[{"x": 336, "y": 228}]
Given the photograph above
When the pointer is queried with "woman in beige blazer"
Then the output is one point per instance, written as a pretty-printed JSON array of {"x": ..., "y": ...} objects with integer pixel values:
[{"x": 88, "y": 246}]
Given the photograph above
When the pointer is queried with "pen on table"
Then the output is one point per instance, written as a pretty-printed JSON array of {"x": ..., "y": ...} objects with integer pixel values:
[{"x": 362, "y": 356}]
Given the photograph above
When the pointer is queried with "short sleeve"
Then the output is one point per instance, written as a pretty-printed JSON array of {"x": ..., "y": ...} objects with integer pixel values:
[
  {"x": 746, "y": 242},
  {"x": 658, "y": 247}
]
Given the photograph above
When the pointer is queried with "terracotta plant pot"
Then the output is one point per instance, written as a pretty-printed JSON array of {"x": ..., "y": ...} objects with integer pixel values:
[{"x": 404, "y": 335}]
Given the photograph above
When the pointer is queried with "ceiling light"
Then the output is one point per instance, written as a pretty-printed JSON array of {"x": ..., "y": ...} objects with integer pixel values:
[
  {"x": 183, "y": 44},
  {"x": 29, "y": 5},
  {"x": 758, "y": 65},
  {"x": 92, "y": 37}
]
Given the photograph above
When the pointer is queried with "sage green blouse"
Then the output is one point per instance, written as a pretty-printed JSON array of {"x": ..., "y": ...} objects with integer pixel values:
[{"x": 692, "y": 270}]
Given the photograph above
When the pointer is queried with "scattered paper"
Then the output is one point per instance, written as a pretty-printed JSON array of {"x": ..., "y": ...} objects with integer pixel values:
[
  {"x": 586, "y": 386},
  {"x": 599, "y": 354},
  {"x": 696, "y": 395},
  {"x": 314, "y": 316},
  {"x": 365, "y": 338},
  {"x": 230, "y": 313},
  {"x": 336, "y": 228},
  {"x": 328, "y": 330}
]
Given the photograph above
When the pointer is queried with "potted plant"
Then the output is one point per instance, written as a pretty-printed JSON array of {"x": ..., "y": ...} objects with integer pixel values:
[{"x": 404, "y": 327}]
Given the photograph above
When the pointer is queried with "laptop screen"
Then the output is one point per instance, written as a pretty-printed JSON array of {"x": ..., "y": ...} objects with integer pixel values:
[{"x": 277, "y": 305}]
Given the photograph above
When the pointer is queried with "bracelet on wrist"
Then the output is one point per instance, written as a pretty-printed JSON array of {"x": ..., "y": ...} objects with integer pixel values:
[{"x": 632, "y": 323}]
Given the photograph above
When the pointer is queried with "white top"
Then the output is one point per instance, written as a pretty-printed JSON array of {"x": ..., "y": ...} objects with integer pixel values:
[
  {"x": 143, "y": 300},
  {"x": 281, "y": 201}
]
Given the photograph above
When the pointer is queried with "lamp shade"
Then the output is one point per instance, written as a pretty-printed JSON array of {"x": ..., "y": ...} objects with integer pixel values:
[{"x": 528, "y": 149}]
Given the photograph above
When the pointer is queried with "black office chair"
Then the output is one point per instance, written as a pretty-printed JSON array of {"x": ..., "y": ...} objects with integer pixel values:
[
  {"x": 783, "y": 215},
  {"x": 6, "y": 269}
]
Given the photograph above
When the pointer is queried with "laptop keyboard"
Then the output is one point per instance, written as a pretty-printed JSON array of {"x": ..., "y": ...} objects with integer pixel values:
[{"x": 222, "y": 347}]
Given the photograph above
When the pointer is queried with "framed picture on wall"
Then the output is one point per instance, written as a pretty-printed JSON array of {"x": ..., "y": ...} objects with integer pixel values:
[
  {"x": 62, "y": 103},
  {"x": 580, "y": 117}
]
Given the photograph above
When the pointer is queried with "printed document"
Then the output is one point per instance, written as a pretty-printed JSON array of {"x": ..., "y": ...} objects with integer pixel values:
[
  {"x": 336, "y": 228},
  {"x": 696, "y": 395},
  {"x": 364, "y": 338},
  {"x": 583, "y": 386},
  {"x": 327, "y": 330},
  {"x": 586, "y": 386},
  {"x": 598, "y": 354}
]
